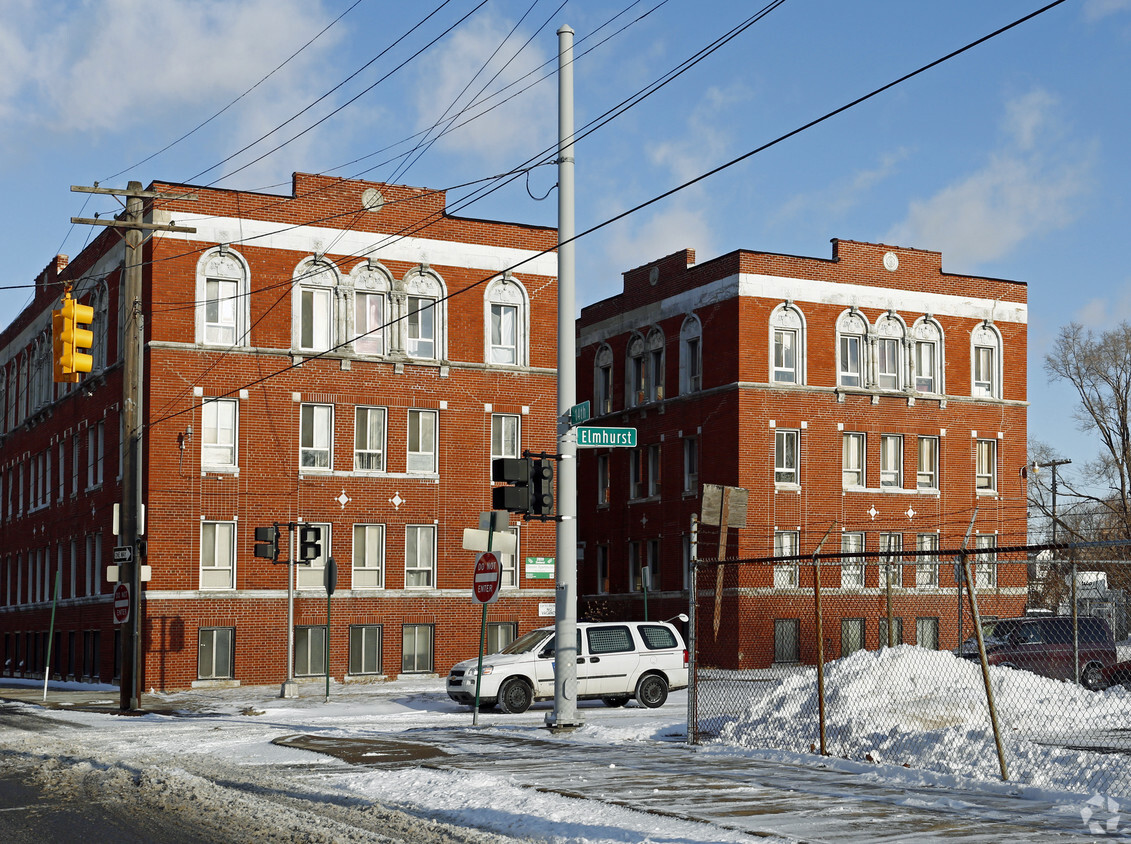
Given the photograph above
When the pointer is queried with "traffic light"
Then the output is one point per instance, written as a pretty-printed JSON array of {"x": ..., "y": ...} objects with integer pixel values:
[
  {"x": 267, "y": 542},
  {"x": 309, "y": 543},
  {"x": 69, "y": 337},
  {"x": 542, "y": 487},
  {"x": 514, "y": 471}
]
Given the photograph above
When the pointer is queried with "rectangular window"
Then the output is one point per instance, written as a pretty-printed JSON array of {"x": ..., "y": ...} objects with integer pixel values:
[
  {"x": 310, "y": 651},
  {"x": 504, "y": 435},
  {"x": 218, "y": 435},
  {"x": 694, "y": 364},
  {"x": 416, "y": 648},
  {"x": 656, "y": 374},
  {"x": 785, "y": 545},
  {"x": 215, "y": 653},
  {"x": 603, "y": 569},
  {"x": 420, "y": 557},
  {"x": 851, "y": 635},
  {"x": 785, "y": 356},
  {"x": 603, "y": 489},
  {"x": 91, "y": 461},
  {"x": 787, "y": 640},
  {"x": 887, "y": 363},
  {"x": 314, "y": 330},
  {"x": 927, "y": 633},
  {"x": 422, "y": 441},
  {"x": 897, "y": 632},
  {"x": 925, "y": 364},
  {"x": 852, "y": 568},
  {"x": 927, "y": 471},
  {"x": 500, "y": 634},
  {"x": 421, "y": 327},
  {"x": 368, "y": 556},
  {"x": 220, "y": 311},
  {"x": 508, "y": 564},
  {"x": 852, "y": 460},
  {"x": 369, "y": 323},
  {"x": 605, "y": 390},
  {"x": 690, "y": 464},
  {"x": 312, "y": 575},
  {"x": 785, "y": 456},
  {"x": 365, "y": 649},
  {"x": 984, "y": 372},
  {"x": 985, "y": 565},
  {"x": 637, "y": 375},
  {"x": 504, "y": 334},
  {"x": 850, "y": 375},
  {"x": 891, "y": 559},
  {"x": 654, "y": 469},
  {"x": 635, "y": 567},
  {"x": 927, "y": 561},
  {"x": 986, "y": 468},
  {"x": 217, "y": 555},
  {"x": 891, "y": 461},
  {"x": 315, "y": 435},
  {"x": 369, "y": 439},
  {"x": 637, "y": 466}
]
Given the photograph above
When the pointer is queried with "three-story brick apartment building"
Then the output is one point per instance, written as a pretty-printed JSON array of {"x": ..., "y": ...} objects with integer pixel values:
[
  {"x": 349, "y": 356},
  {"x": 871, "y": 392}
]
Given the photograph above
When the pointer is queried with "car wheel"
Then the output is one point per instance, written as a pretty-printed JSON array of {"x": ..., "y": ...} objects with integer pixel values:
[
  {"x": 1092, "y": 677},
  {"x": 615, "y": 700},
  {"x": 652, "y": 691},
  {"x": 515, "y": 696}
]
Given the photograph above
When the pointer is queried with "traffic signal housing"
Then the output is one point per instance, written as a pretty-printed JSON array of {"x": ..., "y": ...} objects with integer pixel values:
[
  {"x": 70, "y": 335},
  {"x": 542, "y": 487},
  {"x": 309, "y": 543},
  {"x": 267, "y": 542},
  {"x": 515, "y": 472}
]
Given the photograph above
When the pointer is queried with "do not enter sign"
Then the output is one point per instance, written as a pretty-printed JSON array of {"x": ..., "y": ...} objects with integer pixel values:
[
  {"x": 121, "y": 603},
  {"x": 488, "y": 570}
]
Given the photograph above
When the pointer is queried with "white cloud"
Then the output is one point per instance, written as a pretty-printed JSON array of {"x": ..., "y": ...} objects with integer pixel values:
[
  {"x": 1027, "y": 187},
  {"x": 705, "y": 141},
  {"x": 843, "y": 196},
  {"x": 1102, "y": 314},
  {"x": 662, "y": 234},
  {"x": 518, "y": 127},
  {"x": 1096, "y": 9}
]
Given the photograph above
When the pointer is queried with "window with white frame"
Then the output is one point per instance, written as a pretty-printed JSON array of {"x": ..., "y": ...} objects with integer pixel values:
[
  {"x": 986, "y": 361},
  {"x": 786, "y": 545},
  {"x": 889, "y": 333},
  {"x": 986, "y": 465},
  {"x": 852, "y": 329},
  {"x": 927, "y": 560},
  {"x": 985, "y": 565},
  {"x": 786, "y": 456},
  {"x": 500, "y": 634},
  {"x": 371, "y": 283},
  {"x": 369, "y": 439},
  {"x": 984, "y": 366},
  {"x": 215, "y": 653},
  {"x": 787, "y": 345},
  {"x": 422, "y": 441},
  {"x": 217, "y": 555},
  {"x": 365, "y": 649},
  {"x": 891, "y": 559},
  {"x": 222, "y": 290},
  {"x": 368, "y": 556},
  {"x": 603, "y": 380},
  {"x": 891, "y": 461},
  {"x": 504, "y": 335},
  {"x": 926, "y": 354},
  {"x": 313, "y": 574},
  {"x": 636, "y": 373},
  {"x": 310, "y": 650},
  {"x": 508, "y": 564},
  {"x": 218, "y": 422},
  {"x": 420, "y": 557},
  {"x": 691, "y": 355},
  {"x": 504, "y": 435},
  {"x": 316, "y": 437},
  {"x": 655, "y": 363},
  {"x": 416, "y": 648},
  {"x": 852, "y": 568},
  {"x": 603, "y": 490},
  {"x": 314, "y": 299},
  {"x": 420, "y": 327},
  {"x": 852, "y": 460},
  {"x": 690, "y": 464},
  {"x": 927, "y": 469},
  {"x": 506, "y": 315}
]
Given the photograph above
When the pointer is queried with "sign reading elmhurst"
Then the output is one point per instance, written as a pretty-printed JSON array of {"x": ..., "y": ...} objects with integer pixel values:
[{"x": 598, "y": 437}]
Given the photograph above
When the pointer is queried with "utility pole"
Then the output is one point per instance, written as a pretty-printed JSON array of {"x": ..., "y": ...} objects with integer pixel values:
[
  {"x": 132, "y": 418},
  {"x": 564, "y": 716},
  {"x": 1051, "y": 464}
]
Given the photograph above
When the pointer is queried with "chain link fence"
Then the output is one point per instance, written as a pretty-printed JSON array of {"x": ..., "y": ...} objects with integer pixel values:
[{"x": 879, "y": 661}]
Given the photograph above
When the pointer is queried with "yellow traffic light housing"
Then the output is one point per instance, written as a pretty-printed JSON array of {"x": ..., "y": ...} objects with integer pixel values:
[{"x": 70, "y": 337}]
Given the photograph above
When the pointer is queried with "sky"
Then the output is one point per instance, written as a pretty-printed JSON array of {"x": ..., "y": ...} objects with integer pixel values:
[{"x": 1010, "y": 158}]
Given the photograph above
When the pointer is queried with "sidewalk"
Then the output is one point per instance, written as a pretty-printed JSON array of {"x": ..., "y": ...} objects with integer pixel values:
[{"x": 85, "y": 697}]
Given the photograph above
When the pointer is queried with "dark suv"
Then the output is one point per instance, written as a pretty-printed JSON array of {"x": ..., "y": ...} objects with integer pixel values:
[{"x": 1043, "y": 645}]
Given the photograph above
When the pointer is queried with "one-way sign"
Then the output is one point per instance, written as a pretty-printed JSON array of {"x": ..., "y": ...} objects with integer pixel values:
[{"x": 123, "y": 554}]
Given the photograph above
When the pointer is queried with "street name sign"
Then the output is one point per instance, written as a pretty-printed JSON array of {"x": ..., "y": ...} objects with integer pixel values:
[
  {"x": 579, "y": 413},
  {"x": 591, "y": 436}
]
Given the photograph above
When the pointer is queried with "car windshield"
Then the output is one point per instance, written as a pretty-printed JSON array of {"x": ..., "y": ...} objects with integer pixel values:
[{"x": 528, "y": 642}]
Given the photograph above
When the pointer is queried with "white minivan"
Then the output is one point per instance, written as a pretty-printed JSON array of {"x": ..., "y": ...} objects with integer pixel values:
[{"x": 616, "y": 661}]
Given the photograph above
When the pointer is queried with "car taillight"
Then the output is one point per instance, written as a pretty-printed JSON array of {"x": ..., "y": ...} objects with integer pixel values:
[{"x": 685, "y": 658}]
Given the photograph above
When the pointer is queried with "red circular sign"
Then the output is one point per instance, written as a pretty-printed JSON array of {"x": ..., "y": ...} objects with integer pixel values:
[
  {"x": 488, "y": 570},
  {"x": 121, "y": 603}
]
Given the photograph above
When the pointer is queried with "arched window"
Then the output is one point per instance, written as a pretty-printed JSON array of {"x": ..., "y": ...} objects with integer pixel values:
[
  {"x": 691, "y": 355},
  {"x": 369, "y": 283},
  {"x": 99, "y": 301},
  {"x": 891, "y": 370},
  {"x": 222, "y": 292},
  {"x": 985, "y": 361},
  {"x": 927, "y": 356},
  {"x": 506, "y": 318},
  {"x": 787, "y": 345},
  {"x": 655, "y": 366},
  {"x": 603, "y": 380},
  {"x": 424, "y": 311},
  {"x": 851, "y": 334},
  {"x": 315, "y": 316},
  {"x": 636, "y": 373}
]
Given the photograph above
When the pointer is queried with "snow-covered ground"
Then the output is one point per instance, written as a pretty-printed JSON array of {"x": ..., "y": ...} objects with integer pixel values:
[{"x": 625, "y": 776}]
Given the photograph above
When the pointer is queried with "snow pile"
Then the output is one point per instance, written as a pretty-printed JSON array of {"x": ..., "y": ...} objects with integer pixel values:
[{"x": 925, "y": 709}]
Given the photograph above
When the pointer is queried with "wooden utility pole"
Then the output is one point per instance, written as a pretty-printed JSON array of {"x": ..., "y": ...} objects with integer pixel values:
[{"x": 132, "y": 418}]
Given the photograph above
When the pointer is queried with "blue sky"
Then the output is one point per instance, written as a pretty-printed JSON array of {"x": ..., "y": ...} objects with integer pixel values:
[{"x": 1010, "y": 159}]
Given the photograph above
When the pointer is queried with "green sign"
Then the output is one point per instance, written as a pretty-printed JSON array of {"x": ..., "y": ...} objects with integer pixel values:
[
  {"x": 592, "y": 436},
  {"x": 579, "y": 413},
  {"x": 540, "y": 568}
]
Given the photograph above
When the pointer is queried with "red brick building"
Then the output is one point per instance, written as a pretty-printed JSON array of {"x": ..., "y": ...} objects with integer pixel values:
[
  {"x": 872, "y": 392},
  {"x": 349, "y": 356}
]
